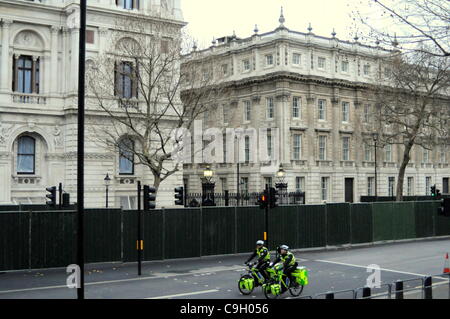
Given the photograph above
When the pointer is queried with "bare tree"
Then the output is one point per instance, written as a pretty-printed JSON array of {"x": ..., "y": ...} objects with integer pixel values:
[
  {"x": 412, "y": 105},
  {"x": 422, "y": 25},
  {"x": 137, "y": 84}
]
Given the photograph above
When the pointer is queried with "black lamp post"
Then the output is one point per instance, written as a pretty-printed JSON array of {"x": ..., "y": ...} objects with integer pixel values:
[
  {"x": 208, "y": 188},
  {"x": 375, "y": 140},
  {"x": 281, "y": 185},
  {"x": 107, "y": 182}
]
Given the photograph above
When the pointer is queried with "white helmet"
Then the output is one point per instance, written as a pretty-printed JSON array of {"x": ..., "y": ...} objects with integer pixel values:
[
  {"x": 284, "y": 247},
  {"x": 260, "y": 242}
]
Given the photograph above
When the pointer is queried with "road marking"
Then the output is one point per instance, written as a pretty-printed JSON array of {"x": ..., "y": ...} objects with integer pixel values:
[
  {"x": 185, "y": 294},
  {"x": 365, "y": 267},
  {"x": 155, "y": 276}
]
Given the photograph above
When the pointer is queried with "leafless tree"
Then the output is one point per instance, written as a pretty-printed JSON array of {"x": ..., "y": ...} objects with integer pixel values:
[
  {"x": 137, "y": 84},
  {"x": 419, "y": 25},
  {"x": 412, "y": 105}
]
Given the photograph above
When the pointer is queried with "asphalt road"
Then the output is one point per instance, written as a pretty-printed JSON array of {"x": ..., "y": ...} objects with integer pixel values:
[{"x": 216, "y": 277}]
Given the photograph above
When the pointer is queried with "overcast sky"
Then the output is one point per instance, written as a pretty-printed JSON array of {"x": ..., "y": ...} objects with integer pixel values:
[{"x": 216, "y": 18}]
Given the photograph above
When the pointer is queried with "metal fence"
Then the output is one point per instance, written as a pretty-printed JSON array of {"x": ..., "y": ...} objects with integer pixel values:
[
  {"x": 245, "y": 199},
  {"x": 428, "y": 287}
]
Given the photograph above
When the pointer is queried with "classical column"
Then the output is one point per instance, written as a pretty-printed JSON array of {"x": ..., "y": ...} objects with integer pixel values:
[
  {"x": 5, "y": 63},
  {"x": 102, "y": 40},
  {"x": 54, "y": 78},
  {"x": 284, "y": 138},
  {"x": 310, "y": 112},
  {"x": 74, "y": 53},
  {"x": 65, "y": 60}
]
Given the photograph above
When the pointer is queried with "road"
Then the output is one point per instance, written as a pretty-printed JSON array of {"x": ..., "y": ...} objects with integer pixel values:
[{"x": 216, "y": 277}]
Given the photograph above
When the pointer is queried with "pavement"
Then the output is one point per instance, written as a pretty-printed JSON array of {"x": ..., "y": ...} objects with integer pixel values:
[{"x": 216, "y": 277}]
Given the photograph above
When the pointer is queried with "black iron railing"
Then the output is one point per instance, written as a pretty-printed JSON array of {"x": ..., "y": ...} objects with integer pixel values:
[{"x": 245, "y": 199}]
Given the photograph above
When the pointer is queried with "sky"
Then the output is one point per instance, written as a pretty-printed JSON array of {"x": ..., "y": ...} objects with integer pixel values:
[{"x": 216, "y": 18}]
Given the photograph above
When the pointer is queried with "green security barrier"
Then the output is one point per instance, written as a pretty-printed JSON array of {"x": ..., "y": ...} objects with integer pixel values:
[
  {"x": 404, "y": 220},
  {"x": 14, "y": 240},
  {"x": 152, "y": 234},
  {"x": 249, "y": 227},
  {"x": 312, "y": 230},
  {"x": 102, "y": 235},
  {"x": 442, "y": 223},
  {"x": 182, "y": 236},
  {"x": 218, "y": 231},
  {"x": 361, "y": 223},
  {"x": 129, "y": 235},
  {"x": 53, "y": 239},
  {"x": 424, "y": 219},
  {"x": 283, "y": 221},
  {"x": 383, "y": 228},
  {"x": 338, "y": 224}
]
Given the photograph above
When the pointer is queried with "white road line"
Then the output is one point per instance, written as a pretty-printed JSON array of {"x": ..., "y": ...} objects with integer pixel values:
[
  {"x": 185, "y": 294},
  {"x": 155, "y": 276},
  {"x": 365, "y": 267}
]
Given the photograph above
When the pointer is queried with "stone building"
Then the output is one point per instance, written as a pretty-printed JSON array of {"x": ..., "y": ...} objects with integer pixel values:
[
  {"x": 38, "y": 100},
  {"x": 312, "y": 90}
]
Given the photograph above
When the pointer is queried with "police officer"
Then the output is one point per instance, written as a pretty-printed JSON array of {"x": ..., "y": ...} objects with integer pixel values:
[
  {"x": 263, "y": 258},
  {"x": 288, "y": 259}
]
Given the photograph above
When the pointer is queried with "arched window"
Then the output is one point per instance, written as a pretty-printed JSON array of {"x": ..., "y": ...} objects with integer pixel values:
[
  {"x": 26, "y": 74},
  {"x": 126, "y": 157},
  {"x": 26, "y": 155}
]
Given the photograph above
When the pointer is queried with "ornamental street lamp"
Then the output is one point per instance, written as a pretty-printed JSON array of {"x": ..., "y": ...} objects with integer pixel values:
[
  {"x": 281, "y": 185},
  {"x": 208, "y": 187},
  {"x": 107, "y": 181}
]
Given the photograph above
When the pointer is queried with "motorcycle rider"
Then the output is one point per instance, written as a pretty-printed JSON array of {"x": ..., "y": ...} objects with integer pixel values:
[
  {"x": 263, "y": 258},
  {"x": 288, "y": 259}
]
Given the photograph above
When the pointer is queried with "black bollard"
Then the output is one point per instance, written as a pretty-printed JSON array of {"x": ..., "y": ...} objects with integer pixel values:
[
  {"x": 428, "y": 288},
  {"x": 366, "y": 292},
  {"x": 399, "y": 290},
  {"x": 329, "y": 295}
]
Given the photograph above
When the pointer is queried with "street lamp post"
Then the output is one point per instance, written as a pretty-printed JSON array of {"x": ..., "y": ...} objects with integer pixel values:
[
  {"x": 208, "y": 188},
  {"x": 281, "y": 185},
  {"x": 375, "y": 140},
  {"x": 107, "y": 181}
]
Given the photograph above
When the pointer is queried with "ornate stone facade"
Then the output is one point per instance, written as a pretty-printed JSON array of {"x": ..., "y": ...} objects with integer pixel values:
[
  {"x": 47, "y": 32},
  {"x": 321, "y": 105}
]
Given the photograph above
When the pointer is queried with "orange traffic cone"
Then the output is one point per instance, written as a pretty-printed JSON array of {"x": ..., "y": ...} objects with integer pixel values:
[{"x": 446, "y": 265}]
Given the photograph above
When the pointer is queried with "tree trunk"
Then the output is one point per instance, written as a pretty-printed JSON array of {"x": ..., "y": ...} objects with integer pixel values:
[
  {"x": 156, "y": 181},
  {"x": 401, "y": 172}
]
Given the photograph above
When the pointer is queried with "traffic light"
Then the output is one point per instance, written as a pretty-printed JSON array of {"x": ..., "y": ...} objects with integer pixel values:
[
  {"x": 273, "y": 197},
  {"x": 263, "y": 200},
  {"x": 179, "y": 196},
  {"x": 433, "y": 191},
  {"x": 438, "y": 194},
  {"x": 444, "y": 210},
  {"x": 149, "y": 197},
  {"x": 51, "y": 196}
]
